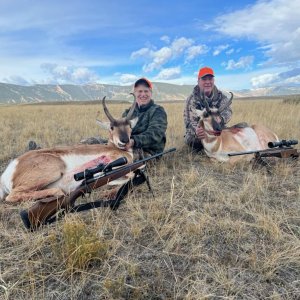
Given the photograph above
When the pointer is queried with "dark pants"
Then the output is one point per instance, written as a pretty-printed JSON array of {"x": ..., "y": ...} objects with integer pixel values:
[{"x": 197, "y": 146}]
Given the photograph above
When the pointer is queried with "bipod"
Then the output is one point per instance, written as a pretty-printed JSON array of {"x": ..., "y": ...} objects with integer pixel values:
[{"x": 258, "y": 163}]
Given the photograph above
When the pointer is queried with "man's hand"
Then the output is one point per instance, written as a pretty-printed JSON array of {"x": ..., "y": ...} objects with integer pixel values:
[
  {"x": 130, "y": 144},
  {"x": 200, "y": 133}
]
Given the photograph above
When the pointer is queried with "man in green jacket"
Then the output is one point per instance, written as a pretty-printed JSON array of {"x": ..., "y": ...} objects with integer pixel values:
[{"x": 149, "y": 134}]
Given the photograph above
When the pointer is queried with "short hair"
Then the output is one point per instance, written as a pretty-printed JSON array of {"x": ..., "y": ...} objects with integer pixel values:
[{"x": 143, "y": 81}]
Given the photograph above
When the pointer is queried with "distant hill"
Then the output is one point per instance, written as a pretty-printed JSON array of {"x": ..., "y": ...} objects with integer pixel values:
[
  {"x": 11, "y": 93},
  {"x": 268, "y": 91}
]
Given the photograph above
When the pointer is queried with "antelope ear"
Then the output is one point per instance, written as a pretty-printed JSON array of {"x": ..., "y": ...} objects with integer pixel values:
[
  {"x": 104, "y": 125},
  {"x": 133, "y": 122}
]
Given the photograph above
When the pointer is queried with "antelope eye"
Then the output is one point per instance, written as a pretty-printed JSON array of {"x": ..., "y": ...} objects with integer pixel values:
[
  {"x": 111, "y": 127},
  {"x": 205, "y": 115}
]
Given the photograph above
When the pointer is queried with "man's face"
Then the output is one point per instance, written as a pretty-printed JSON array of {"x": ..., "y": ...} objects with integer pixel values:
[
  {"x": 206, "y": 84},
  {"x": 143, "y": 95}
]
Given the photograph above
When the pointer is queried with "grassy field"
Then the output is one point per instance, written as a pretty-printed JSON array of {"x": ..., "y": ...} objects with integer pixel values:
[{"x": 212, "y": 231}]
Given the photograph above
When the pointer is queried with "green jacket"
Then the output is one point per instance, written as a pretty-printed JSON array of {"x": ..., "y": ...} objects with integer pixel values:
[{"x": 149, "y": 133}]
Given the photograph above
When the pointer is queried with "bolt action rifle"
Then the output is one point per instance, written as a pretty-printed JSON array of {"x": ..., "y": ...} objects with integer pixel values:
[
  {"x": 48, "y": 210},
  {"x": 280, "y": 149}
]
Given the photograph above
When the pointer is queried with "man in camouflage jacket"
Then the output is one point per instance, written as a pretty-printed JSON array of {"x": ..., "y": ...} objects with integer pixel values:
[
  {"x": 149, "y": 134},
  {"x": 215, "y": 98}
]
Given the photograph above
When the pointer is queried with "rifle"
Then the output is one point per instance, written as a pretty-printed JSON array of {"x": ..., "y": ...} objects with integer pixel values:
[
  {"x": 44, "y": 211},
  {"x": 280, "y": 149}
]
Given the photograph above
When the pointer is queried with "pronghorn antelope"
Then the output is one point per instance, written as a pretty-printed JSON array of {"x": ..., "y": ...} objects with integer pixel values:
[
  {"x": 219, "y": 142},
  {"x": 39, "y": 174}
]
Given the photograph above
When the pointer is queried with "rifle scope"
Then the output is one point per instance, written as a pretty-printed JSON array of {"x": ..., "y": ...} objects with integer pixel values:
[
  {"x": 283, "y": 143},
  {"x": 89, "y": 173}
]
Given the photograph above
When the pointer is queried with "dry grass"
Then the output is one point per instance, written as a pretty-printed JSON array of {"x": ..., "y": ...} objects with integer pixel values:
[{"x": 212, "y": 231}]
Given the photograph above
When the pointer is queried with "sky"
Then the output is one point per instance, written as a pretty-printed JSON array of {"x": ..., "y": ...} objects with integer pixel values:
[{"x": 249, "y": 44}]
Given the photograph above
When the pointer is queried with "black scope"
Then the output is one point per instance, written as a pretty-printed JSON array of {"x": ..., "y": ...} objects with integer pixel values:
[
  {"x": 283, "y": 143},
  {"x": 89, "y": 173}
]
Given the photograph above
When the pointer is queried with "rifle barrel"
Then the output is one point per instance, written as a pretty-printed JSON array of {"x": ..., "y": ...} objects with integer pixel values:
[{"x": 243, "y": 153}]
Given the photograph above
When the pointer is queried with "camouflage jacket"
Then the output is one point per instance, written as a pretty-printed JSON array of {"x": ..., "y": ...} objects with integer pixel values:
[
  {"x": 196, "y": 101},
  {"x": 149, "y": 133}
]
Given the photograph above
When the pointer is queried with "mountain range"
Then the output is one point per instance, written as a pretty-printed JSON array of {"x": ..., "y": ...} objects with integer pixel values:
[{"x": 11, "y": 93}]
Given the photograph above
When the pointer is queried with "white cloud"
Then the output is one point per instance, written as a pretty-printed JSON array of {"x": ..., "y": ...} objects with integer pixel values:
[
  {"x": 195, "y": 51},
  {"x": 264, "y": 80},
  {"x": 165, "y": 39},
  {"x": 293, "y": 80},
  {"x": 230, "y": 51},
  {"x": 169, "y": 73},
  {"x": 160, "y": 57},
  {"x": 128, "y": 78},
  {"x": 83, "y": 75},
  {"x": 291, "y": 77},
  {"x": 274, "y": 24},
  {"x": 143, "y": 52},
  {"x": 28, "y": 71},
  {"x": 69, "y": 74},
  {"x": 220, "y": 49},
  {"x": 245, "y": 62},
  {"x": 163, "y": 55},
  {"x": 179, "y": 45}
]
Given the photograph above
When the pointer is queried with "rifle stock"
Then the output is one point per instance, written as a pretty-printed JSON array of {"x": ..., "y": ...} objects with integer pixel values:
[
  {"x": 44, "y": 209},
  {"x": 281, "y": 153}
]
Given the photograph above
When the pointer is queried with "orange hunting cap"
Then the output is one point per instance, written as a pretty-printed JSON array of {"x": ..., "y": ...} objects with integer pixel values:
[
  {"x": 143, "y": 81},
  {"x": 206, "y": 71}
]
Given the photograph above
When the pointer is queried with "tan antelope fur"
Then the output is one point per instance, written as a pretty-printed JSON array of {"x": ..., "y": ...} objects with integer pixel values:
[
  {"x": 43, "y": 173},
  {"x": 219, "y": 142}
]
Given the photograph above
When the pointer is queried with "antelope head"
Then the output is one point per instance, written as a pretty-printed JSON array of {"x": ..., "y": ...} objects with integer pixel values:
[
  {"x": 119, "y": 129},
  {"x": 210, "y": 115}
]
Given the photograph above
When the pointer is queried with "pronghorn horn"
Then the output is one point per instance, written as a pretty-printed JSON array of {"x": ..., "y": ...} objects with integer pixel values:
[
  {"x": 109, "y": 116},
  {"x": 228, "y": 104},
  {"x": 129, "y": 115}
]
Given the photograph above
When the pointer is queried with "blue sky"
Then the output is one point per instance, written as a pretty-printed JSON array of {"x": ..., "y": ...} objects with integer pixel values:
[{"x": 249, "y": 44}]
